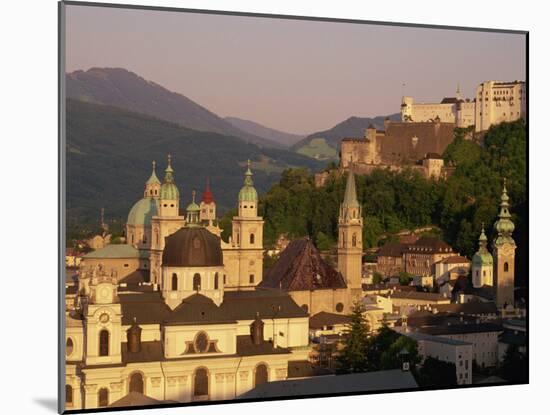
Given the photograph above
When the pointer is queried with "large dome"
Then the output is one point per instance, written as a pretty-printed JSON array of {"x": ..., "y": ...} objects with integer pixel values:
[
  {"x": 142, "y": 212},
  {"x": 192, "y": 247}
]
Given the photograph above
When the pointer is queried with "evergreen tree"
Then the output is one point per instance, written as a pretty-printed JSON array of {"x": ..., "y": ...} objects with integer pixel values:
[{"x": 352, "y": 357}]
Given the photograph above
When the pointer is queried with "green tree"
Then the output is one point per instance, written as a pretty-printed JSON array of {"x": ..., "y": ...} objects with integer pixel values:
[
  {"x": 405, "y": 278},
  {"x": 352, "y": 357},
  {"x": 437, "y": 373},
  {"x": 514, "y": 365},
  {"x": 391, "y": 357}
]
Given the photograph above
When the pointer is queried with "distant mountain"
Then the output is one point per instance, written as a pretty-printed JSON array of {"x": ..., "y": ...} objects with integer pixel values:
[
  {"x": 124, "y": 89},
  {"x": 325, "y": 144},
  {"x": 109, "y": 154},
  {"x": 259, "y": 130}
]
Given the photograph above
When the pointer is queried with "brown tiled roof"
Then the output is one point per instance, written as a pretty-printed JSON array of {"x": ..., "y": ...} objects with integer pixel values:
[
  {"x": 246, "y": 347},
  {"x": 393, "y": 249},
  {"x": 136, "y": 398},
  {"x": 455, "y": 260},
  {"x": 146, "y": 308},
  {"x": 462, "y": 329},
  {"x": 472, "y": 308},
  {"x": 432, "y": 155},
  {"x": 319, "y": 320},
  {"x": 300, "y": 267},
  {"x": 269, "y": 303},
  {"x": 198, "y": 309},
  {"x": 450, "y": 100},
  {"x": 417, "y": 295},
  {"x": 429, "y": 245}
]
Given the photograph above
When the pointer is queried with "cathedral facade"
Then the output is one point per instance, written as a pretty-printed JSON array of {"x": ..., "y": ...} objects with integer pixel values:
[{"x": 196, "y": 328}]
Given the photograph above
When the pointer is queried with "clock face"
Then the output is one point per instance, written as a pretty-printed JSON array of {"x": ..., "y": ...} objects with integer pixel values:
[{"x": 104, "y": 318}]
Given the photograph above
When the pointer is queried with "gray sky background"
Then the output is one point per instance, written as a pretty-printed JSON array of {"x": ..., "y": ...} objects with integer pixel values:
[{"x": 296, "y": 76}]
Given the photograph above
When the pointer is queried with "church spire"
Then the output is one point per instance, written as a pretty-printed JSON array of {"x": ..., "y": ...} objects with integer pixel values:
[
  {"x": 169, "y": 190},
  {"x": 154, "y": 179},
  {"x": 482, "y": 240},
  {"x": 248, "y": 192},
  {"x": 169, "y": 172},
  {"x": 350, "y": 196},
  {"x": 152, "y": 185},
  {"x": 207, "y": 196}
]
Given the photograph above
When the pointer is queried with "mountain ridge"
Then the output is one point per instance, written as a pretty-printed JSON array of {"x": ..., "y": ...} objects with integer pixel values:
[
  {"x": 260, "y": 130},
  {"x": 125, "y": 89}
]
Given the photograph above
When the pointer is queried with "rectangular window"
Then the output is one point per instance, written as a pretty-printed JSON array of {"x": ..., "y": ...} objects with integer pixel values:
[{"x": 251, "y": 278}]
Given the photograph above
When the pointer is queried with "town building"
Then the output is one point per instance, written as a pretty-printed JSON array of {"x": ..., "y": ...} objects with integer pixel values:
[
  {"x": 482, "y": 264},
  {"x": 482, "y": 336},
  {"x": 451, "y": 268},
  {"x": 457, "y": 352}
]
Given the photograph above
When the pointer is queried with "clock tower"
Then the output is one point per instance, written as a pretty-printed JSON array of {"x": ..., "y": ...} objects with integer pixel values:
[
  {"x": 504, "y": 252},
  {"x": 103, "y": 317}
]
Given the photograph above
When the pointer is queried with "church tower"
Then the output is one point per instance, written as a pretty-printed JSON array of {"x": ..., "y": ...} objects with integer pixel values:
[
  {"x": 350, "y": 237},
  {"x": 504, "y": 249},
  {"x": 482, "y": 263},
  {"x": 166, "y": 222},
  {"x": 152, "y": 186},
  {"x": 243, "y": 254},
  {"x": 208, "y": 205}
]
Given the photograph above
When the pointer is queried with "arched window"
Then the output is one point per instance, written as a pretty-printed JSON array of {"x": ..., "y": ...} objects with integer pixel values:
[
  {"x": 69, "y": 347},
  {"x": 224, "y": 278},
  {"x": 216, "y": 281},
  {"x": 484, "y": 272},
  {"x": 251, "y": 278},
  {"x": 197, "y": 282},
  {"x": 354, "y": 240},
  {"x": 506, "y": 267},
  {"x": 251, "y": 239},
  {"x": 305, "y": 307},
  {"x": 104, "y": 343},
  {"x": 174, "y": 282},
  {"x": 136, "y": 383},
  {"x": 103, "y": 397},
  {"x": 144, "y": 238},
  {"x": 260, "y": 375},
  {"x": 200, "y": 384},
  {"x": 68, "y": 395},
  {"x": 339, "y": 307}
]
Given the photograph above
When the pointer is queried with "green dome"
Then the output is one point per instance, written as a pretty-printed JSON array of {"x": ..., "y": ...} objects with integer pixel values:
[
  {"x": 193, "y": 207},
  {"x": 248, "y": 193},
  {"x": 142, "y": 212},
  {"x": 169, "y": 191},
  {"x": 482, "y": 259}
]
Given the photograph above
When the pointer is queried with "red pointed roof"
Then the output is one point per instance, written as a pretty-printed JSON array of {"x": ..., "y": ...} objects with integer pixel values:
[{"x": 207, "y": 196}]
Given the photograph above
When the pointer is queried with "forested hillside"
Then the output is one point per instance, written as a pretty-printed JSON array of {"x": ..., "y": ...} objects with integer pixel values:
[{"x": 395, "y": 201}]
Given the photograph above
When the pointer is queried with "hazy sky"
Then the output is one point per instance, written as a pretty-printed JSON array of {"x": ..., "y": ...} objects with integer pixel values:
[{"x": 296, "y": 76}]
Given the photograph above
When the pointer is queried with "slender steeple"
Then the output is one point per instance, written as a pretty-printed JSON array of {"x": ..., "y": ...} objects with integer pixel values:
[
  {"x": 207, "y": 196},
  {"x": 504, "y": 225},
  {"x": 154, "y": 178},
  {"x": 350, "y": 196},
  {"x": 504, "y": 249},
  {"x": 169, "y": 193}
]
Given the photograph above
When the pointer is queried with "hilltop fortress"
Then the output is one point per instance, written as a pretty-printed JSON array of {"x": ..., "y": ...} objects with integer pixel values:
[{"x": 426, "y": 129}]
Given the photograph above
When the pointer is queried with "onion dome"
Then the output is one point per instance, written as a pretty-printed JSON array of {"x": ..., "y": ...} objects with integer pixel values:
[
  {"x": 207, "y": 196},
  {"x": 169, "y": 190},
  {"x": 192, "y": 247},
  {"x": 482, "y": 256},
  {"x": 248, "y": 193},
  {"x": 143, "y": 211},
  {"x": 504, "y": 225}
]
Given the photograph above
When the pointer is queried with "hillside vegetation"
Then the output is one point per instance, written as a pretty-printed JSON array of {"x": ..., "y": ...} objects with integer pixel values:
[{"x": 406, "y": 200}]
